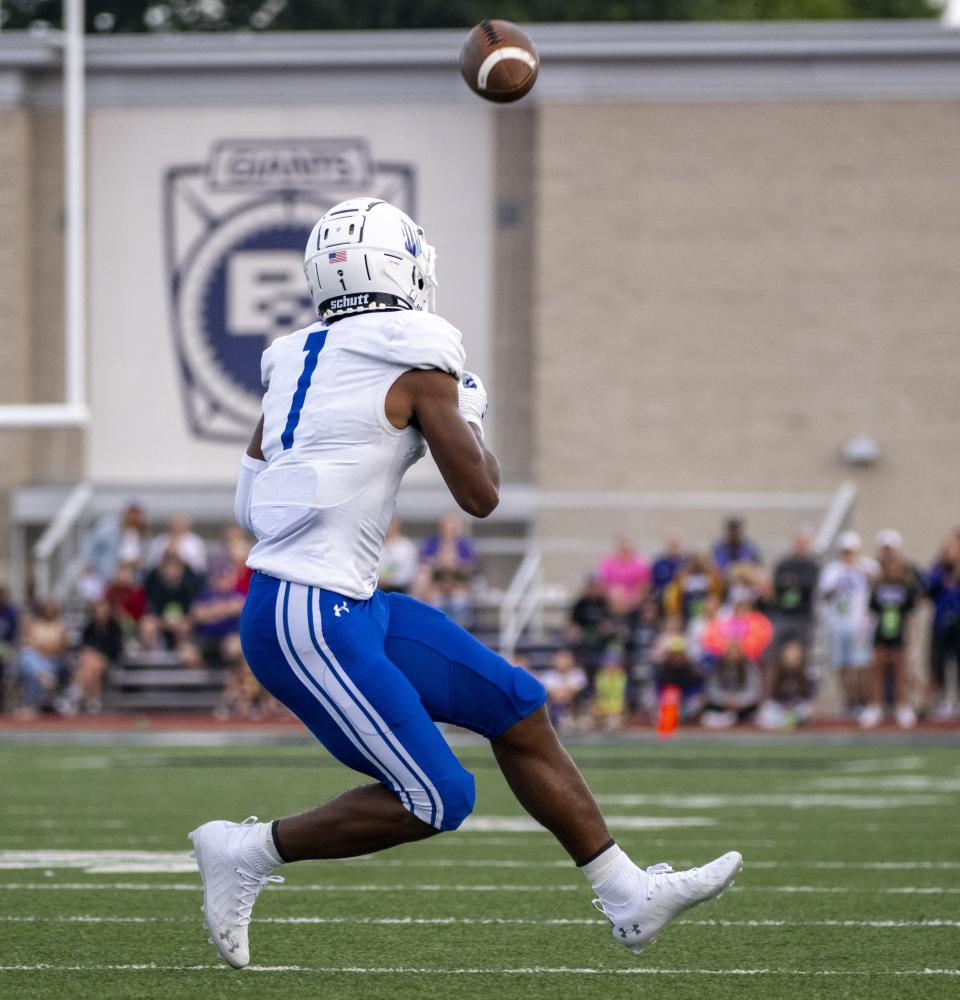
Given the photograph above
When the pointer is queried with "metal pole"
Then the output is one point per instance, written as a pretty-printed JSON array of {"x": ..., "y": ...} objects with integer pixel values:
[
  {"x": 73, "y": 411},
  {"x": 74, "y": 202}
]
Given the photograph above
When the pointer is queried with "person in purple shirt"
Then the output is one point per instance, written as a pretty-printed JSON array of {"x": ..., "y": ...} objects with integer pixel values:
[
  {"x": 667, "y": 565},
  {"x": 734, "y": 547},
  {"x": 216, "y": 616},
  {"x": 943, "y": 588},
  {"x": 448, "y": 564},
  {"x": 9, "y": 628},
  {"x": 449, "y": 539}
]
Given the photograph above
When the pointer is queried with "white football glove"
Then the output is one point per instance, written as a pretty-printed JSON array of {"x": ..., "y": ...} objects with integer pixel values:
[
  {"x": 473, "y": 400},
  {"x": 250, "y": 468}
]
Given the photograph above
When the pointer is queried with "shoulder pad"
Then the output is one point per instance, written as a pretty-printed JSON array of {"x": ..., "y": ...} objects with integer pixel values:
[{"x": 425, "y": 340}]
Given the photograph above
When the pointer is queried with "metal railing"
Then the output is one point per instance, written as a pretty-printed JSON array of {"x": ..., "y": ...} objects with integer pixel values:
[
  {"x": 838, "y": 518},
  {"x": 521, "y": 601},
  {"x": 58, "y": 556},
  {"x": 524, "y": 600}
]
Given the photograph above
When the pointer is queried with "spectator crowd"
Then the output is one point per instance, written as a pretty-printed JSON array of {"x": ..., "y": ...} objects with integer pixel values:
[
  {"x": 714, "y": 636},
  {"x": 174, "y": 599},
  {"x": 169, "y": 599}
]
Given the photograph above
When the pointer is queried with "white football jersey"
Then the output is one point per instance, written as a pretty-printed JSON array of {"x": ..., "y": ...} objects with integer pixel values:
[{"x": 321, "y": 508}]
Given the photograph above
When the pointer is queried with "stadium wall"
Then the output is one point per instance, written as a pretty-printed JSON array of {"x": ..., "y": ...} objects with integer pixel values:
[
  {"x": 756, "y": 284},
  {"x": 31, "y": 300}
]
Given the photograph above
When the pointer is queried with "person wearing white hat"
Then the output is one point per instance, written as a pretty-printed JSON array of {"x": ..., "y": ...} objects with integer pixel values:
[
  {"x": 888, "y": 544},
  {"x": 888, "y": 539},
  {"x": 893, "y": 601},
  {"x": 844, "y": 589}
]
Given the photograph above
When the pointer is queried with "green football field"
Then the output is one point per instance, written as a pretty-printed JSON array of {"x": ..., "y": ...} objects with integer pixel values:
[{"x": 851, "y": 884}]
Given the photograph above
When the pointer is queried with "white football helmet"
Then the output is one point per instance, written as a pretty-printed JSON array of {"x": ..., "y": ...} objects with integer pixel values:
[{"x": 364, "y": 255}]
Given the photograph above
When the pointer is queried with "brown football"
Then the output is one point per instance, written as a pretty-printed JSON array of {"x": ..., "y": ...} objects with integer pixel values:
[{"x": 499, "y": 62}]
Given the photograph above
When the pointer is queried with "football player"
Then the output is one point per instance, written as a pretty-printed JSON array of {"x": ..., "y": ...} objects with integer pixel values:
[{"x": 350, "y": 404}]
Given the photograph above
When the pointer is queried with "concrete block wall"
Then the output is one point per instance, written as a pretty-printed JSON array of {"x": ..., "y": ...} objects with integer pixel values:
[
  {"x": 727, "y": 292},
  {"x": 31, "y": 304}
]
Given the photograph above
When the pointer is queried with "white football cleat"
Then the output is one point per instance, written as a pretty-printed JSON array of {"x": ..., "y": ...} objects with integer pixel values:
[
  {"x": 871, "y": 717},
  {"x": 668, "y": 894},
  {"x": 906, "y": 717},
  {"x": 230, "y": 887}
]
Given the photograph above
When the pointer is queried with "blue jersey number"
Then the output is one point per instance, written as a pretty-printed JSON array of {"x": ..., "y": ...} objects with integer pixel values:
[{"x": 312, "y": 348}]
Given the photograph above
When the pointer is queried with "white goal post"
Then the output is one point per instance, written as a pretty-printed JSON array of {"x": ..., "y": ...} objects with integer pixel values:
[{"x": 73, "y": 411}]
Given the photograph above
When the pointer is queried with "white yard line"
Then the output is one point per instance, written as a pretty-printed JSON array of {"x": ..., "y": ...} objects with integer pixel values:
[
  {"x": 483, "y": 921},
  {"x": 493, "y": 971},
  {"x": 864, "y": 865},
  {"x": 118, "y": 862},
  {"x": 872, "y": 765},
  {"x": 887, "y": 783},
  {"x": 523, "y": 824},
  {"x": 455, "y": 887},
  {"x": 826, "y": 889},
  {"x": 318, "y": 887},
  {"x": 793, "y": 800}
]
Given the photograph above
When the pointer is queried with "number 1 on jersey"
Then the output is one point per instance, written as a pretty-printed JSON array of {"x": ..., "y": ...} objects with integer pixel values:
[{"x": 312, "y": 347}]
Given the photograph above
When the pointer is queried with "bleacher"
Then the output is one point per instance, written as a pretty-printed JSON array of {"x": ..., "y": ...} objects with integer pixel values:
[
  {"x": 515, "y": 611},
  {"x": 157, "y": 681},
  {"x": 150, "y": 682}
]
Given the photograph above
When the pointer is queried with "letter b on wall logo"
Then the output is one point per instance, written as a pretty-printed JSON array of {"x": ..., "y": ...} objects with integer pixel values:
[{"x": 236, "y": 227}]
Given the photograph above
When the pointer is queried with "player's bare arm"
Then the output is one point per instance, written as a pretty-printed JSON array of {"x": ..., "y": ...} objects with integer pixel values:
[
  {"x": 255, "y": 447},
  {"x": 430, "y": 400}
]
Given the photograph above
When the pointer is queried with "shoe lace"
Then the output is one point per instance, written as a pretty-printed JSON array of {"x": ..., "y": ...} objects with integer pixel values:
[
  {"x": 597, "y": 905},
  {"x": 658, "y": 874},
  {"x": 655, "y": 876},
  {"x": 250, "y": 887},
  {"x": 661, "y": 868}
]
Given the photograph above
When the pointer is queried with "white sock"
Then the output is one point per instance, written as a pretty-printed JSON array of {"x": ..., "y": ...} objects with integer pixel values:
[
  {"x": 616, "y": 880},
  {"x": 258, "y": 851}
]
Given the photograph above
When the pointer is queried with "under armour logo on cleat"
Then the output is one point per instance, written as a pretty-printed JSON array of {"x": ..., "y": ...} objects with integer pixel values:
[
  {"x": 225, "y": 936},
  {"x": 338, "y": 609},
  {"x": 636, "y": 928},
  {"x": 623, "y": 932}
]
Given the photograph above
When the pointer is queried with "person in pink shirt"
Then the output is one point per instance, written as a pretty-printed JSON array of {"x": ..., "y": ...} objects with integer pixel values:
[{"x": 625, "y": 575}]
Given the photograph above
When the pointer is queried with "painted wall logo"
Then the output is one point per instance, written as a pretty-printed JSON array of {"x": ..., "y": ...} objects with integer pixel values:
[{"x": 235, "y": 228}]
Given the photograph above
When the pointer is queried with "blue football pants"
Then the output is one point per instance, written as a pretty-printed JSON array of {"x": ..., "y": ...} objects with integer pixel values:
[{"x": 371, "y": 678}]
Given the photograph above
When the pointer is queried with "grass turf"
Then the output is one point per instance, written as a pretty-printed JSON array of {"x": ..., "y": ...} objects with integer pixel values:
[{"x": 851, "y": 885}]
